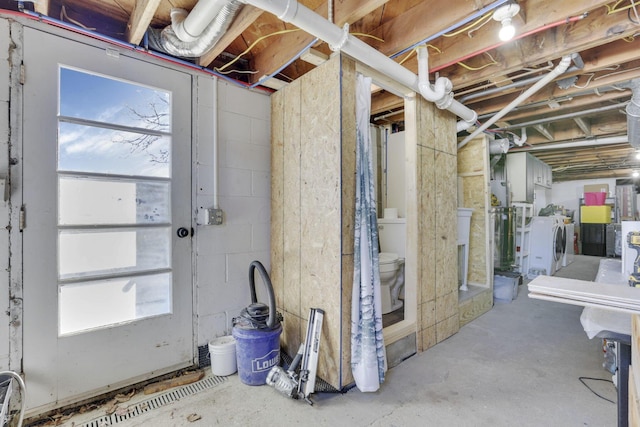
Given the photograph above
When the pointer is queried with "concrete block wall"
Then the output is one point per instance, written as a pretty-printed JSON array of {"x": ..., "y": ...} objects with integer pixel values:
[{"x": 224, "y": 252}]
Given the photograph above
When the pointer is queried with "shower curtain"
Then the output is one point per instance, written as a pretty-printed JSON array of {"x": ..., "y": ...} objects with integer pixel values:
[{"x": 368, "y": 360}]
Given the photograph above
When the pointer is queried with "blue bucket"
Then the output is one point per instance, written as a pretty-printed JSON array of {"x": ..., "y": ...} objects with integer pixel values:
[{"x": 257, "y": 351}]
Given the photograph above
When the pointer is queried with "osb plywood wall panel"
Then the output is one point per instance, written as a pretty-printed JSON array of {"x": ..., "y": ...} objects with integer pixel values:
[
  {"x": 291, "y": 219},
  {"x": 277, "y": 195},
  {"x": 348, "y": 124},
  {"x": 472, "y": 169},
  {"x": 438, "y": 316},
  {"x": 320, "y": 198},
  {"x": 312, "y": 183}
]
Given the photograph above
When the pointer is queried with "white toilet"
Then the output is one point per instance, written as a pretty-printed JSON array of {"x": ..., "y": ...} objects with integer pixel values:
[{"x": 392, "y": 237}]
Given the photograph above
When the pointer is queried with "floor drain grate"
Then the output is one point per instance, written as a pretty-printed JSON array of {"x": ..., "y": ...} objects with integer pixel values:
[{"x": 155, "y": 402}]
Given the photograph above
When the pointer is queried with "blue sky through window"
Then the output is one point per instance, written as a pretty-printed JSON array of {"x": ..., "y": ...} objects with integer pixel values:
[{"x": 86, "y": 148}]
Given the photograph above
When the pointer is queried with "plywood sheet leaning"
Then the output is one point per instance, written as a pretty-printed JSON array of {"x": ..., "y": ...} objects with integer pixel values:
[{"x": 473, "y": 171}]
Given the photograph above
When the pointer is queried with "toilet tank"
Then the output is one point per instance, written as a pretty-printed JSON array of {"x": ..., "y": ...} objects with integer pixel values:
[{"x": 392, "y": 234}]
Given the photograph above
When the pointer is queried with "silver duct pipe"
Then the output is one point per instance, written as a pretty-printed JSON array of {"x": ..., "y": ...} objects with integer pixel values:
[
  {"x": 194, "y": 41},
  {"x": 560, "y": 68},
  {"x": 633, "y": 114}
]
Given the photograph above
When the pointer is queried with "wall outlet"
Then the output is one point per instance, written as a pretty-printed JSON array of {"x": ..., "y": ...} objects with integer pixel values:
[{"x": 210, "y": 216}]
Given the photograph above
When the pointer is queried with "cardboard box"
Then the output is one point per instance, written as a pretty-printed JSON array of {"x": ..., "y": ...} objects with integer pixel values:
[
  {"x": 596, "y": 188},
  {"x": 595, "y": 214}
]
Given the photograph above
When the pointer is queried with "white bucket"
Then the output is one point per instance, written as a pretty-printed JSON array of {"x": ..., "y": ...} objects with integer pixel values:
[{"x": 222, "y": 352}]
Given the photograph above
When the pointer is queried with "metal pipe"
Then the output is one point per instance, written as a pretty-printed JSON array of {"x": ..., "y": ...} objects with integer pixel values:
[
  {"x": 560, "y": 68},
  {"x": 518, "y": 83},
  {"x": 564, "y": 116},
  {"x": 575, "y": 144}
]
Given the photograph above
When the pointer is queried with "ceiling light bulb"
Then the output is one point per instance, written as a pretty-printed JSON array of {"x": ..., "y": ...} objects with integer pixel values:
[
  {"x": 507, "y": 31},
  {"x": 504, "y": 14},
  {"x": 635, "y": 174}
]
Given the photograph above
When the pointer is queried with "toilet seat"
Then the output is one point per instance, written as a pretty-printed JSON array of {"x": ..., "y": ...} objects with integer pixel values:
[{"x": 388, "y": 262}]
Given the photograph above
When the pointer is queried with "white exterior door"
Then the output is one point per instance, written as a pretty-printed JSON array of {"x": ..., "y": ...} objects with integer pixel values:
[{"x": 107, "y": 195}]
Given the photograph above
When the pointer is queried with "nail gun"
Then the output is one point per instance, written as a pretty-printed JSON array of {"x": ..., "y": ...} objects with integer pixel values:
[
  {"x": 633, "y": 241},
  {"x": 301, "y": 385}
]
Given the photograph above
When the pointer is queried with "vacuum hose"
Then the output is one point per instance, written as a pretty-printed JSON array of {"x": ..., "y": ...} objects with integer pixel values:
[{"x": 258, "y": 315}]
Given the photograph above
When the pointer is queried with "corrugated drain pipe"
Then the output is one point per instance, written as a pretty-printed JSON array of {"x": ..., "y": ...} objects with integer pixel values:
[{"x": 560, "y": 68}]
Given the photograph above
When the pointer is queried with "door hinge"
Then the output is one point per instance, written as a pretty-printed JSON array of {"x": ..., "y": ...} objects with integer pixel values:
[
  {"x": 22, "y": 78},
  {"x": 23, "y": 217}
]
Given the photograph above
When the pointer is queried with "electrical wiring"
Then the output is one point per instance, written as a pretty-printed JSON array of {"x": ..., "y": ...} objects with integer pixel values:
[
  {"x": 63, "y": 16},
  {"x": 615, "y": 72},
  {"x": 252, "y": 45},
  {"x": 612, "y": 9},
  {"x": 473, "y": 30},
  {"x": 519, "y": 36},
  {"x": 481, "y": 21},
  {"x": 238, "y": 72},
  {"x": 591, "y": 75},
  {"x": 368, "y": 35},
  {"x": 493, "y": 62},
  {"x": 415, "y": 50},
  {"x": 482, "y": 67}
]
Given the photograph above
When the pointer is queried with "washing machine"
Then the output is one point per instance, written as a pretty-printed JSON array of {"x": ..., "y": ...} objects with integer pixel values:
[
  {"x": 546, "y": 247},
  {"x": 561, "y": 241}
]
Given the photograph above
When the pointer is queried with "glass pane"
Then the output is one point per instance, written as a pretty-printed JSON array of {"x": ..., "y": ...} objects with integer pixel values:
[
  {"x": 104, "y": 99},
  {"x": 90, "y": 253},
  {"x": 101, "y": 303},
  {"x": 85, "y": 201},
  {"x": 83, "y": 148}
]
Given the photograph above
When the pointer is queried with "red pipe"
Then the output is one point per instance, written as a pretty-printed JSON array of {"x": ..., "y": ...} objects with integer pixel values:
[{"x": 497, "y": 45}]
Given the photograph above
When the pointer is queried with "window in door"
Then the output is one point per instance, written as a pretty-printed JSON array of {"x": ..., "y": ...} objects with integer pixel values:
[{"x": 114, "y": 201}]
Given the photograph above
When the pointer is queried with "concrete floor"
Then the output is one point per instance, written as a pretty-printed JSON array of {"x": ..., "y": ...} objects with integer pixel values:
[{"x": 518, "y": 364}]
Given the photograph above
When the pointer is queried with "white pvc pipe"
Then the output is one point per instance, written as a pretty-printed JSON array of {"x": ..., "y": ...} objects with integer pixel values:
[
  {"x": 560, "y": 68},
  {"x": 340, "y": 39},
  {"x": 216, "y": 166},
  {"x": 577, "y": 144},
  {"x": 438, "y": 91},
  {"x": 189, "y": 27}
]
